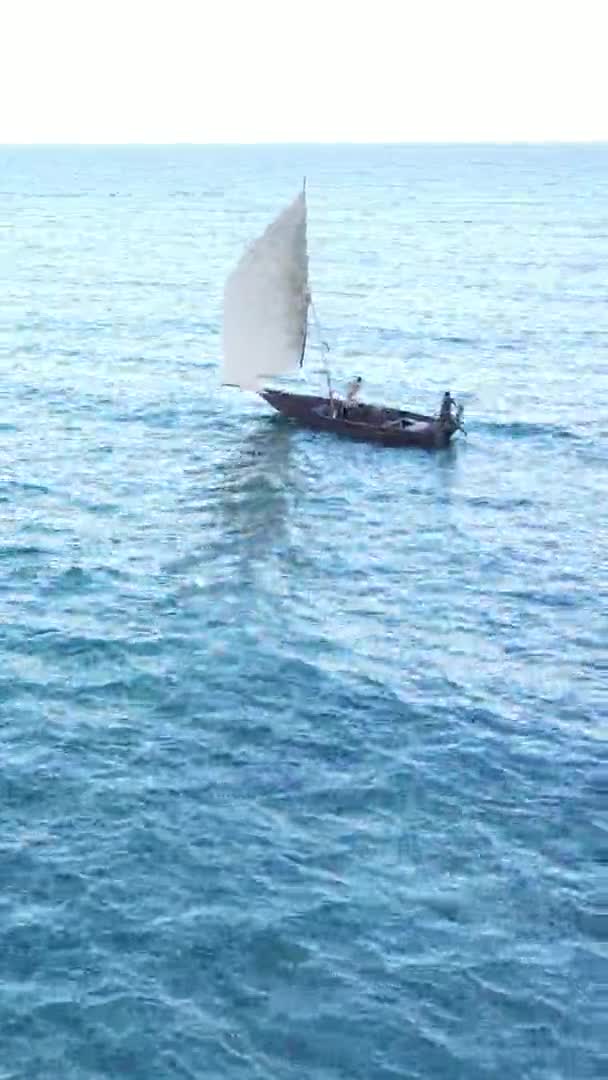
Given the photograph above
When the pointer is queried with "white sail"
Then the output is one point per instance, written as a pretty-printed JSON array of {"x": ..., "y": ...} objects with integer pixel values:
[{"x": 266, "y": 303}]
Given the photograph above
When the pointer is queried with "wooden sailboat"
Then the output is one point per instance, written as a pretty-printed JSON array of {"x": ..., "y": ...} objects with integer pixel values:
[{"x": 266, "y": 309}]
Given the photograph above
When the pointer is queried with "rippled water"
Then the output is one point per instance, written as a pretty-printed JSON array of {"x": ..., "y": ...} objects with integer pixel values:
[{"x": 302, "y": 758}]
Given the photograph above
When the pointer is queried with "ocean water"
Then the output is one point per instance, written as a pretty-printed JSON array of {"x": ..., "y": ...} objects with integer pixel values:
[{"x": 302, "y": 742}]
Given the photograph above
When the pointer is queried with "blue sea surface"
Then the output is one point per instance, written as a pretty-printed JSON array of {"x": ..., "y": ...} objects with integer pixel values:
[{"x": 303, "y": 764}]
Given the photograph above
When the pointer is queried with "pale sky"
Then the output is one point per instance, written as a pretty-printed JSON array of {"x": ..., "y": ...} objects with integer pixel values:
[{"x": 91, "y": 71}]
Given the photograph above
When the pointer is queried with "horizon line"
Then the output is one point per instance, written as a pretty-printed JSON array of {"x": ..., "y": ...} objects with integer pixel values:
[{"x": 447, "y": 143}]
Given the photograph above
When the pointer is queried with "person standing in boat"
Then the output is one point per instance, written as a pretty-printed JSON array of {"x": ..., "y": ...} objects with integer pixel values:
[
  {"x": 352, "y": 390},
  {"x": 445, "y": 412}
]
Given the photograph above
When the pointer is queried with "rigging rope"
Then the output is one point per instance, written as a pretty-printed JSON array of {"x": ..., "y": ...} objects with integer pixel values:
[
  {"x": 322, "y": 343},
  {"x": 323, "y": 346}
]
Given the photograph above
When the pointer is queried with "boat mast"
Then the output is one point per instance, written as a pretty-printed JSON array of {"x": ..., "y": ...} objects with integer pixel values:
[{"x": 307, "y": 296}]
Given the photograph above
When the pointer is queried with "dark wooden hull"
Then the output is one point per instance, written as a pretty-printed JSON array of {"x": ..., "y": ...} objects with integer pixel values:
[{"x": 370, "y": 423}]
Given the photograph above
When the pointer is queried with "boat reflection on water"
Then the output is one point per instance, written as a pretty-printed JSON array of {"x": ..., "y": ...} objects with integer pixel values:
[
  {"x": 231, "y": 574},
  {"x": 252, "y": 493}
]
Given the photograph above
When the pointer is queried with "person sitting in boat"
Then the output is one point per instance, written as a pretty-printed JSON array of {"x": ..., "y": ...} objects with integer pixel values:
[{"x": 352, "y": 390}]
